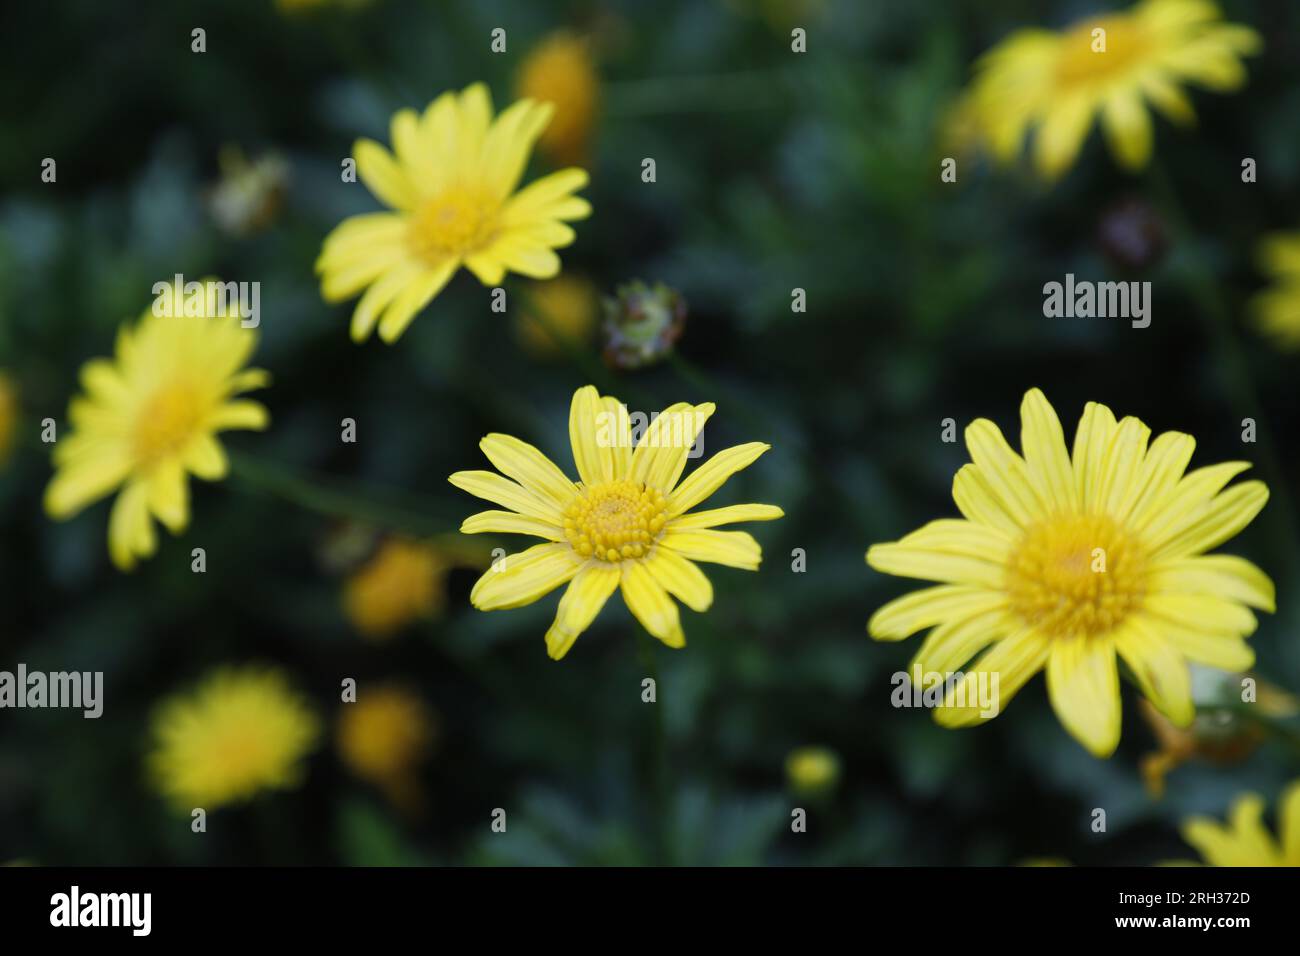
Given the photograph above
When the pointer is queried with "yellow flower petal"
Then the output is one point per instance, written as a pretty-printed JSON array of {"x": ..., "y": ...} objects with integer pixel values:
[
  {"x": 681, "y": 578},
  {"x": 712, "y": 475},
  {"x": 492, "y": 487},
  {"x": 1013, "y": 659},
  {"x": 528, "y": 466},
  {"x": 736, "y": 549},
  {"x": 508, "y": 522},
  {"x": 1083, "y": 683},
  {"x": 1159, "y": 669},
  {"x": 522, "y": 578},
  {"x": 905, "y": 616},
  {"x": 731, "y": 514},
  {"x": 582, "y": 601},
  {"x": 383, "y": 175},
  {"x": 651, "y": 605}
]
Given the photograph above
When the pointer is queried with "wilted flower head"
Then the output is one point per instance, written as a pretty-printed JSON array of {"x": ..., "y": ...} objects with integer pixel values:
[
  {"x": 642, "y": 323},
  {"x": 248, "y": 195}
]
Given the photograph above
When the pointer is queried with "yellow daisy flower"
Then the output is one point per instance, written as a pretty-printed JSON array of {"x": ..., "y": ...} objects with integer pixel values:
[
  {"x": 559, "y": 70},
  {"x": 625, "y": 523},
  {"x": 402, "y": 583},
  {"x": 1062, "y": 562},
  {"x": 1277, "y": 310},
  {"x": 452, "y": 187},
  {"x": 1110, "y": 67},
  {"x": 242, "y": 730},
  {"x": 1245, "y": 841},
  {"x": 149, "y": 419}
]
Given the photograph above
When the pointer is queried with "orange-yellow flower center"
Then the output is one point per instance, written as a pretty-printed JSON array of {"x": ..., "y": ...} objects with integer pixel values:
[
  {"x": 166, "y": 422},
  {"x": 455, "y": 224},
  {"x": 1076, "y": 575},
  {"x": 1088, "y": 55},
  {"x": 615, "y": 520}
]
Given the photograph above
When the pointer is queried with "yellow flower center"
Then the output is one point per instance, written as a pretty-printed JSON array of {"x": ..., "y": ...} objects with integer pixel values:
[
  {"x": 1087, "y": 55},
  {"x": 166, "y": 423},
  {"x": 456, "y": 224},
  {"x": 615, "y": 520},
  {"x": 1076, "y": 575}
]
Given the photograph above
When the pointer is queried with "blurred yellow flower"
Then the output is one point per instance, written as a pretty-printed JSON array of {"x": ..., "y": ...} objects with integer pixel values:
[
  {"x": 8, "y": 416},
  {"x": 452, "y": 185},
  {"x": 812, "y": 770},
  {"x": 402, "y": 582},
  {"x": 1277, "y": 310},
  {"x": 242, "y": 730},
  {"x": 560, "y": 71},
  {"x": 624, "y": 524},
  {"x": 383, "y": 736},
  {"x": 149, "y": 419},
  {"x": 569, "y": 307},
  {"x": 1110, "y": 66},
  {"x": 1061, "y": 564},
  {"x": 1244, "y": 840}
]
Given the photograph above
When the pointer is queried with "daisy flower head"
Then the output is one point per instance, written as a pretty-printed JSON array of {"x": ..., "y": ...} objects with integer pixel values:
[
  {"x": 148, "y": 419},
  {"x": 1244, "y": 840},
  {"x": 1065, "y": 562},
  {"x": 241, "y": 731},
  {"x": 625, "y": 524},
  {"x": 452, "y": 185},
  {"x": 1277, "y": 309},
  {"x": 1110, "y": 67}
]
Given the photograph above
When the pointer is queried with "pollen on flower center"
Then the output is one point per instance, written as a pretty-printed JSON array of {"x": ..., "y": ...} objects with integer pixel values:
[
  {"x": 1088, "y": 55},
  {"x": 1076, "y": 575},
  {"x": 166, "y": 423},
  {"x": 615, "y": 520},
  {"x": 455, "y": 224}
]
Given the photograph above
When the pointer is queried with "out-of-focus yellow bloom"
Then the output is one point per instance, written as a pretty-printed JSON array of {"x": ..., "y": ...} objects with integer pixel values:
[
  {"x": 1110, "y": 66},
  {"x": 626, "y": 524},
  {"x": 560, "y": 71},
  {"x": 150, "y": 417},
  {"x": 1244, "y": 840},
  {"x": 1277, "y": 310},
  {"x": 1066, "y": 563},
  {"x": 248, "y": 195},
  {"x": 8, "y": 416},
  {"x": 568, "y": 306},
  {"x": 241, "y": 731},
  {"x": 452, "y": 183},
  {"x": 382, "y": 738},
  {"x": 403, "y": 582},
  {"x": 812, "y": 770}
]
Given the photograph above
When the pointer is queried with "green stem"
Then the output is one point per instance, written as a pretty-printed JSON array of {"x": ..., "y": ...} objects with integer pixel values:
[
  {"x": 335, "y": 499},
  {"x": 658, "y": 769}
]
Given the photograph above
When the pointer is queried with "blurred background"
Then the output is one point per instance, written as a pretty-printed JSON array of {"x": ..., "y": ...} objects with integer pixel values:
[{"x": 775, "y": 171}]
